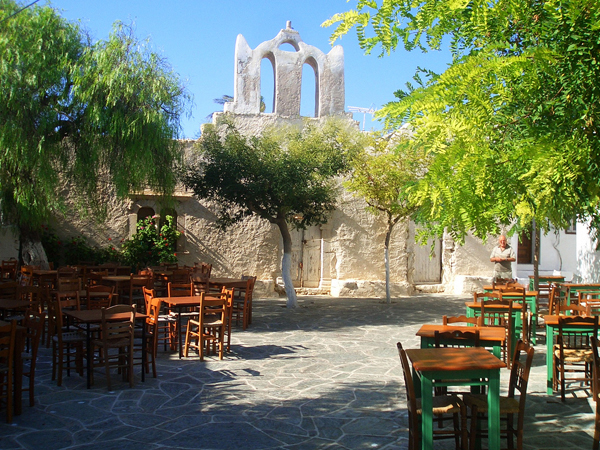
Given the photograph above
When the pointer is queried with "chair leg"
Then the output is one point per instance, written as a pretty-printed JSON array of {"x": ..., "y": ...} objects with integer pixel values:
[{"x": 596, "y": 445}]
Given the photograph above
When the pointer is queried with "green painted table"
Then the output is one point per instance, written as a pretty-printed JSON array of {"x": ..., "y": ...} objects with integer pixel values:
[
  {"x": 488, "y": 336},
  {"x": 474, "y": 310},
  {"x": 545, "y": 279},
  {"x": 551, "y": 332},
  {"x": 468, "y": 366}
]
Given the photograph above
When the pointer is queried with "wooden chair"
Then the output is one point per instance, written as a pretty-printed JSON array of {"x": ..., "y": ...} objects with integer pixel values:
[
  {"x": 242, "y": 306},
  {"x": 596, "y": 389},
  {"x": 443, "y": 406},
  {"x": 166, "y": 322},
  {"x": 99, "y": 296},
  {"x": 34, "y": 325},
  {"x": 228, "y": 295},
  {"x": 479, "y": 297},
  {"x": 68, "y": 296},
  {"x": 518, "y": 295},
  {"x": 572, "y": 353},
  {"x": 7, "y": 352},
  {"x": 499, "y": 313},
  {"x": 8, "y": 270},
  {"x": 26, "y": 277},
  {"x": 94, "y": 277},
  {"x": 456, "y": 338},
  {"x": 182, "y": 290},
  {"x": 117, "y": 335},
  {"x": 179, "y": 276},
  {"x": 571, "y": 310},
  {"x": 199, "y": 282},
  {"x": 209, "y": 329},
  {"x": 559, "y": 295},
  {"x": 136, "y": 293},
  {"x": 152, "y": 334},
  {"x": 67, "y": 345},
  {"x": 509, "y": 405}
]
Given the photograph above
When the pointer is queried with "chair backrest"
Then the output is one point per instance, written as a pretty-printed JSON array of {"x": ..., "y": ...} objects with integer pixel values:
[
  {"x": 212, "y": 311},
  {"x": 519, "y": 376},
  {"x": 592, "y": 307},
  {"x": 479, "y": 297},
  {"x": 199, "y": 282},
  {"x": 576, "y": 332},
  {"x": 95, "y": 276},
  {"x": 179, "y": 276},
  {"x": 456, "y": 338},
  {"x": 34, "y": 325},
  {"x": 203, "y": 267},
  {"x": 249, "y": 288},
  {"x": 571, "y": 310},
  {"x": 448, "y": 320},
  {"x": 33, "y": 294},
  {"x": 27, "y": 275},
  {"x": 99, "y": 296},
  {"x": 411, "y": 396},
  {"x": 149, "y": 294},
  {"x": 117, "y": 330},
  {"x": 9, "y": 289},
  {"x": 499, "y": 313},
  {"x": 110, "y": 267},
  {"x": 179, "y": 289},
  {"x": 123, "y": 270},
  {"x": 9, "y": 269},
  {"x": 7, "y": 345},
  {"x": 67, "y": 272},
  {"x": 559, "y": 295},
  {"x": 69, "y": 284}
]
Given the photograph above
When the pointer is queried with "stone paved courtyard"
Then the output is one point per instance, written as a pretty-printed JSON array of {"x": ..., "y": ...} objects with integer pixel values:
[{"x": 326, "y": 375}]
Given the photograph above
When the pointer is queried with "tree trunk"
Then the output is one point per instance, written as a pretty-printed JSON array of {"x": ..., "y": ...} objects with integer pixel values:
[
  {"x": 32, "y": 252},
  {"x": 536, "y": 257},
  {"x": 388, "y": 235},
  {"x": 286, "y": 263}
]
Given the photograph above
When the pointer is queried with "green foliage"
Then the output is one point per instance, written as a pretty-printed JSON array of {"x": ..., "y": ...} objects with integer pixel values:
[
  {"x": 150, "y": 246},
  {"x": 287, "y": 174},
  {"x": 78, "y": 114},
  {"x": 75, "y": 250},
  {"x": 384, "y": 173},
  {"x": 511, "y": 126}
]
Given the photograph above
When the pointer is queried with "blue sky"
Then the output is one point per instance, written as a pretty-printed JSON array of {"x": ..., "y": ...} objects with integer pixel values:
[{"x": 198, "y": 39}]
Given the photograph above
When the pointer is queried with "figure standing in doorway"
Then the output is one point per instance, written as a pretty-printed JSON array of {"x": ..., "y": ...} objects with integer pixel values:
[{"x": 502, "y": 255}]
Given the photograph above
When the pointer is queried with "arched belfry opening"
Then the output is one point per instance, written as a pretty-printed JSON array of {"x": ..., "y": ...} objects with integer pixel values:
[
  {"x": 309, "y": 96},
  {"x": 267, "y": 84},
  {"x": 290, "y": 57}
]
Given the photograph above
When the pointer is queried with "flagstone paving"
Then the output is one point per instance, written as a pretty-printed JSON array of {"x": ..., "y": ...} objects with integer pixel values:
[{"x": 323, "y": 376}]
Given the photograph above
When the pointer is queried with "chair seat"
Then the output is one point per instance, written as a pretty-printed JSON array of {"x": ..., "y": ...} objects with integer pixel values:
[
  {"x": 574, "y": 354},
  {"x": 71, "y": 336},
  {"x": 508, "y": 405},
  {"x": 444, "y": 404}
]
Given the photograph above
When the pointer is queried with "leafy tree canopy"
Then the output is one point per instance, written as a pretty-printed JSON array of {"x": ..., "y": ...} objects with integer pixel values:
[
  {"x": 512, "y": 124},
  {"x": 76, "y": 113},
  {"x": 286, "y": 175}
]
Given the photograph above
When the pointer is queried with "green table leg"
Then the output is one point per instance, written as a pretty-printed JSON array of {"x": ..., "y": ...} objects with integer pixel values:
[
  {"x": 427, "y": 413},
  {"x": 549, "y": 358},
  {"x": 494, "y": 409}
]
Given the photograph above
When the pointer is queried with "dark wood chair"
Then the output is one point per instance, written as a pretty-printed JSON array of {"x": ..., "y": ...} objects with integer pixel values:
[
  {"x": 572, "y": 353},
  {"x": 209, "y": 329},
  {"x": 7, "y": 352},
  {"x": 444, "y": 406},
  {"x": 34, "y": 326},
  {"x": 119, "y": 336},
  {"x": 510, "y": 406}
]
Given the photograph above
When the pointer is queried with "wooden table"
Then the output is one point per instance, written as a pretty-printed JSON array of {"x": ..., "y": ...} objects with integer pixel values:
[
  {"x": 488, "y": 336},
  {"x": 179, "y": 303},
  {"x": 468, "y": 366},
  {"x": 18, "y": 368},
  {"x": 551, "y": 331},
  {"x": 545, "y": 279},
  {"x": 94, "y": 316}
]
